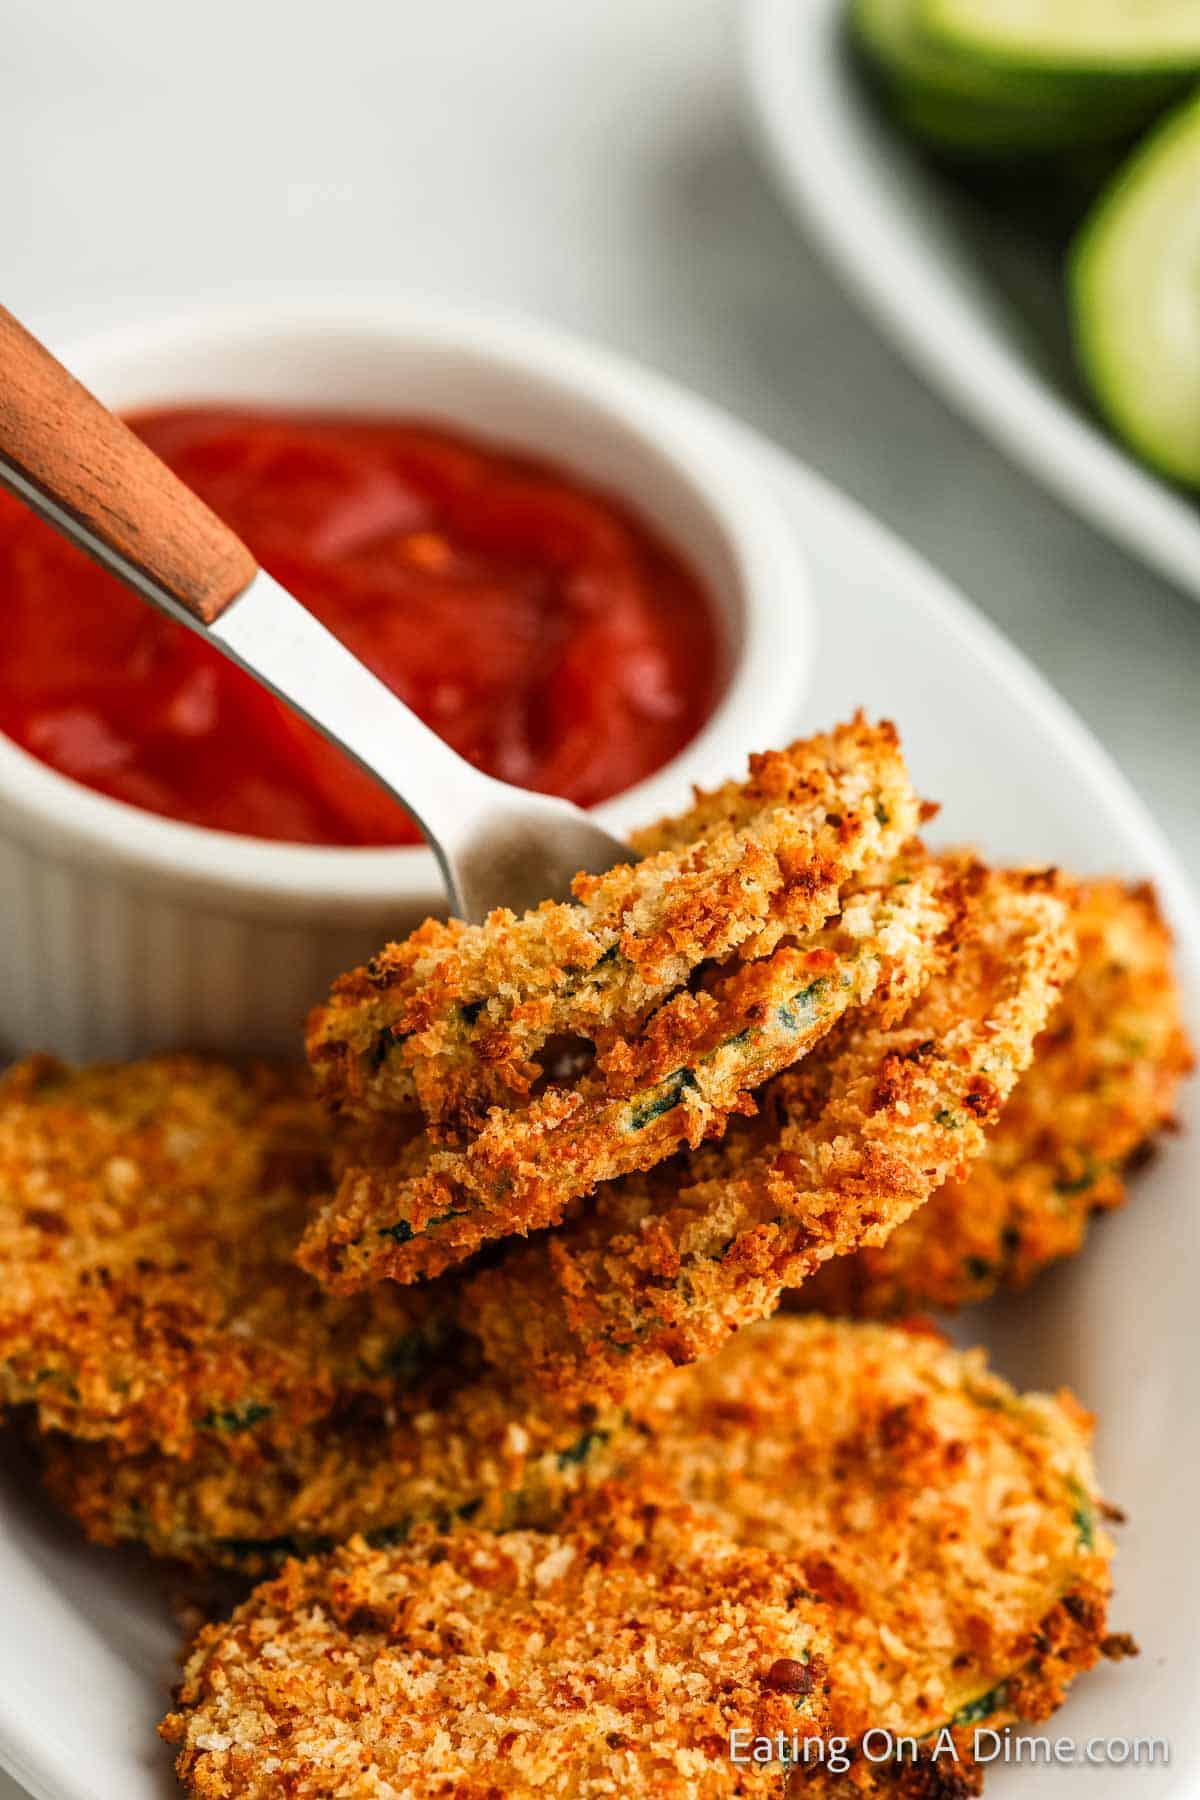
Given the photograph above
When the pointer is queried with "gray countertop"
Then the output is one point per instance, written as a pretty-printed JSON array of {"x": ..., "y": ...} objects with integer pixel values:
[{"x": 580, "y": 161}]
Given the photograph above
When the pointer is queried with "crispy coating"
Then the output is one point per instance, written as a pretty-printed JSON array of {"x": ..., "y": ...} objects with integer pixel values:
[
  {"x": 148, "y": 1215},
  {"x": 455, "y": 1018},
  {"x": 693, "y": 1067},
  {"x": 615, "y": 1656},
  {"x": 846, "y": 1146},
  {"x": 952, "y": 1525},
  {"x": 829, "y": 1527},
  {"x": 455, "y": 1445},
  {"x": 1103, "y": 1081}
]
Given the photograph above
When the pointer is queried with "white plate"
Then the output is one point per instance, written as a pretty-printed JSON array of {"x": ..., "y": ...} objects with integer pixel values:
[
  {"x": 86, "y": 1657},
  {"x": 975, "y": 315}
]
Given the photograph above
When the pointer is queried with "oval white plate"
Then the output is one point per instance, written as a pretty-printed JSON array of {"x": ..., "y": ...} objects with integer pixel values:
[
  {"x": 86, "y": 1656},
  {"x": 918, "y": 265}
]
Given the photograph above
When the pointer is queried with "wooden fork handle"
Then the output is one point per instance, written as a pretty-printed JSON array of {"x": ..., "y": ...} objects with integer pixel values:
[{"x": 70, "y": 459}]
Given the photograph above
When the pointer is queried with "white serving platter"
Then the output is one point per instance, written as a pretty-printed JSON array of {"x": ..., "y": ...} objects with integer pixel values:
[
  {"x": 87, "y": 1645},
  {"x": 978, "y": 314}
]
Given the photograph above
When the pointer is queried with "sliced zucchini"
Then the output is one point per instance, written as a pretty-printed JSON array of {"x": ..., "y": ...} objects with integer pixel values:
[
  {"x": 982, "y": 129},
  {"x": 892, "y": 34},
  {"x": 1134, "y": 287},
  {"x": 1110, "y": 37},
  {"x": 959, "y": 101}
]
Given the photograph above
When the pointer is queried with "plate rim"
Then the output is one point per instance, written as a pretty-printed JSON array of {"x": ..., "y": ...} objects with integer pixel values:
[
  {"x": 803, "y": 120},
  {"x": 23, "y": 1752}
]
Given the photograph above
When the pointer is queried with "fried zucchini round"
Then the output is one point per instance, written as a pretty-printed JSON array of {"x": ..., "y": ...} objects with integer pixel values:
[
  {"x": 615, "y": 1656},
  {"x": 848, "y": 1526},
  {"x": 1103, "y": 1082},
  {"x": 148, "y": 1218},
  {"x": 953, "y": 1525},
  {"x": 846, "y": 1145},
  {"x": 693, "y": 1067},
  {"x": 456, "y": 1018},
  {"x": 454, "y": 1446}
]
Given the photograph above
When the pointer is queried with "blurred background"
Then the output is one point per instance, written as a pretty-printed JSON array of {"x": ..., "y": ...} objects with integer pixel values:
[{"x": 585, "y": 163}]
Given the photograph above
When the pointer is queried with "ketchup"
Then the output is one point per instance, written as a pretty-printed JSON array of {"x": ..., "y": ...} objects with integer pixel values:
[{"x": 535, "y": 623}]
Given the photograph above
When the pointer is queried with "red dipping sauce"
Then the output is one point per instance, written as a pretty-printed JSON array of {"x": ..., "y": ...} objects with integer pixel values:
[{"x": 535, "y": 623}]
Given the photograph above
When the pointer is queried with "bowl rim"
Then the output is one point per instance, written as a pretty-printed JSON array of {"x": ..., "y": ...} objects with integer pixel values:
[
  {"x": 41, "y": 807},
  {"x": 844, "y": 174}
]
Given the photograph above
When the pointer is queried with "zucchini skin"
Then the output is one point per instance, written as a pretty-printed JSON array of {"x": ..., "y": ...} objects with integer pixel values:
[
  {"x": 1097, "y": 43},
  {"x": 1104, "y": 354},
  {"x": 957, "y": 101}
]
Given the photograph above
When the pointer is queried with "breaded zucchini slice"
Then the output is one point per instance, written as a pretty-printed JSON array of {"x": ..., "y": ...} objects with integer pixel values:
[
  {"x": 694, "y": 1065},
  {"x": 457, "y": 1445},
  {"x": 953, "y": 1525},
  {"x": 456, "y": 1019},
  {"x": 846, "y": 1146},
  {"x": 1103, "y": 1082},
  {"x": 615, "y": 1656},
  {"x": 148, "y": 1294}
]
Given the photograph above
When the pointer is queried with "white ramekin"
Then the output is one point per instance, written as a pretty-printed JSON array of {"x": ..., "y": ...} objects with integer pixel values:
[{"x": 124, "y": 932}]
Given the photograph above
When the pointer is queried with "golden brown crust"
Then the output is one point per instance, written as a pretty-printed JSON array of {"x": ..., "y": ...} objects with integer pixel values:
[
  {"x": 951, "y": 1523},
  {"x": 846, "y": 1146},
  {"x": 615, "y": 1656},
  {"x": 455, "y": 1018},
  {"x": 454, "y": 1446},
  {"x": 692, "y": 1068},
  {"x": 827, "y": 1528},
  {"x": 148, "y": 1215},
  {"x": 1103, "y": 1081},
  {"x": 1067, "y": 1642}
]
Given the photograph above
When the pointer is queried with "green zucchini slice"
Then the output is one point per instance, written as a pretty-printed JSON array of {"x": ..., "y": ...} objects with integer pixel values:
[
  {"x": 995, "y": 131},
  {"x": 1134, "y": 285},
  {"x": 960, "y": 101},
  {"x": 1106, "y": 36}
]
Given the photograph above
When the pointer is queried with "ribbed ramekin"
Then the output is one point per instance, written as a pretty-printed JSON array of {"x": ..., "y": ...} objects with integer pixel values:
[{"x": 124, "y": 932}]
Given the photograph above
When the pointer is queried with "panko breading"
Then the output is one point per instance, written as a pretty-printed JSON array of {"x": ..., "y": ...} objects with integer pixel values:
[
  {"x": 1103, "y": 1082},
  {"x": 845, "y": 1147},
  {"x": 952, "y": 1524},
  {"x": 148, "y": 1293},
  {"x": 829, "y": 1527},
  {"x": 616, "y": 1656},
  {"x": 454, "y": 1446},
  {"x": 694, "y": 1066},
  {"x": 455, "y": 1018}
]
